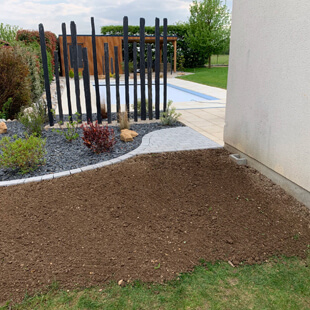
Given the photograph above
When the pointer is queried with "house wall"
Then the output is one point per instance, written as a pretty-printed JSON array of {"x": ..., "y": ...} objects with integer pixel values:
[{"x": 268, "y": 96}]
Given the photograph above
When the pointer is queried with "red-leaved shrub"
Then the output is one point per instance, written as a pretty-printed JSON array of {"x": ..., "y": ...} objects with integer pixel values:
[{"x": 98, "y": 138}]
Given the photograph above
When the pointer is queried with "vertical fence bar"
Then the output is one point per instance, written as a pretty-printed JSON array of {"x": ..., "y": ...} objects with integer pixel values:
[
  {"x": 61, "y": 116},
  {"x": 46, "y": 78},
  {"x": 142, "y": 68},
  {"x": 165, "y": 62},
  {"x": 118, "y": 101},
  {"x": 65, "y": 55},
  {"x": 126, "y": 61},
  {"x": 107, "y": 81},
  {"x": 157, "y": 67},
  {"x": 86, "y": 82},
  {"x": 135, "y": 82},
  {"x": 149, "y": 79},
  {"x": 112, "y": 71},
  {"x": 76, "y": 70},
  {"x": 96, "y": 70}
]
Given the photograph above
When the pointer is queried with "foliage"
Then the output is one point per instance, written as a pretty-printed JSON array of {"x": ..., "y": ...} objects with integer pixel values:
[
  {"x": 98, "y": 138},
  {"x": 179, "y": 30},
  {"x": 216, "y": 77},
  {"x": 170, "y": 116},
  {"x": 208, "y": 29},
  {"x": 33, "y": 118},
  {"x": 31, "y": 55},
  {"x": 8, "y": 32},
  {"x": 14, "y": 81},
  {"x": 4, "y": 114},
  {"x": 69, "y": 131},
  {"x": 71, "y": 74},
  {"x": 139, "y": 106},
  {"x": 22, "y": 154},
  {"x": 30, "y": 37},
  {"x": 123, "y": 120}
]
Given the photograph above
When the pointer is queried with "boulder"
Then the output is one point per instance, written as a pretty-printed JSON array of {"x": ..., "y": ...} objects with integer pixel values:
[
  {"x": 3, "y": 128},
  {"x": 128, "y": 135}
]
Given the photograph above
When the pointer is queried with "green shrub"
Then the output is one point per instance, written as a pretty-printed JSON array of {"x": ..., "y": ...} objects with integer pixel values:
[
  {"x": 8, "y": 32},
  {"x": 31, "y": 55},
  {"x": 4, "y": 114},
  {"x": 22, "y": 154},
  {"x": 139, "y": 106},
  {"x": 70, "y": 132},
  {"x": 14, "y": 81},
  {"x": 170, "y": 117},
  {"x": 33, "y": 118}
]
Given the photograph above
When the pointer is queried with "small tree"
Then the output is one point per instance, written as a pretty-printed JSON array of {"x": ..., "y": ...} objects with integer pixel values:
[{"x": 208, "y": 29}]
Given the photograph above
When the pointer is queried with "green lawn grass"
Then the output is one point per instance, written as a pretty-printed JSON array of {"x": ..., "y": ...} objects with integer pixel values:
[
  {"x": 219, "y": 59},
  {"x": 216, "y": 76},
  {"x": 279, "y": 284}
]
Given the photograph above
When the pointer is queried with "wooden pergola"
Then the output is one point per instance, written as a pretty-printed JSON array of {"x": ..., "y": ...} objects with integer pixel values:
[
  {"x": 151, "y": 39},
  {"x": 86, "y": 41}
]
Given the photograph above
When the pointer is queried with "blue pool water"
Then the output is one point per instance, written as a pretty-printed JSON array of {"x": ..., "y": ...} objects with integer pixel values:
[{"x": 174, "y": 93}]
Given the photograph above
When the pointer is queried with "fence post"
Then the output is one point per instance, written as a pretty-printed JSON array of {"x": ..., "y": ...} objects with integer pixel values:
[
  {"x": 126, "y": 61},
  {"x": 165, "y": 62},
  {"x": 96, "y": 70},
  {"x": 89, "y": 117},
  {"x": 135, "y": 82},
  {"x": 61, "y": 116},
  {"x": 157, "y": 67},
  {"x": 76, "y": 70},
  {"x": 65, "y": 55},
  {"x": 46, "y": 77},
  {"x": 118, "y": 101},
  {"x": 107, "y": 80},
  {"x": 149, "y": 79},
  {"x": 142, "y": 68}
]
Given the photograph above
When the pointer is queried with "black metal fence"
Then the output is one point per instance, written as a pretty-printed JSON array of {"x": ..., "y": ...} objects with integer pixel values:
[{"x": 145, "y": 58}]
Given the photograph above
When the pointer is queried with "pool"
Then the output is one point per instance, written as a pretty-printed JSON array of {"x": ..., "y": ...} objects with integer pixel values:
[{"x": 174, "y": 93}]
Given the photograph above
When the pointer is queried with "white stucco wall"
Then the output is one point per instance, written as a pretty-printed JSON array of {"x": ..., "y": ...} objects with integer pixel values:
[{"x": 268, "y": 96}]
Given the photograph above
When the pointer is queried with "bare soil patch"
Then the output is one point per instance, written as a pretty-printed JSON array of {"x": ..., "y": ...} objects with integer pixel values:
[{"x": 147, "y": 218}]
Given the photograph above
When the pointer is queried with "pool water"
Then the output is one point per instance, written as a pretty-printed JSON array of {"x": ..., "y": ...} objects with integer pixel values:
[{"x": 174, "y": 93}]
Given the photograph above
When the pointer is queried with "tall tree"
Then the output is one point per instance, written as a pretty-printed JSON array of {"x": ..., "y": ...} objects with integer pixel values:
[{"x": 208, "y": 28}]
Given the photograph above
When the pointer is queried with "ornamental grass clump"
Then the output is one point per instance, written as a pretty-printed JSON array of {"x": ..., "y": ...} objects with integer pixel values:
[
  {"x": 25, "y": 155},
  {"x": 98, "y": 138},
  {"x": 170, "y": 117}
]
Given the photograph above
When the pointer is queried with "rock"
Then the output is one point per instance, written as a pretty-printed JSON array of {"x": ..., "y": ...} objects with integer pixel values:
[
  {"x": 3, "y": 128},
  {"x": 28, "y": 111},
  {"x": 121, "y": 283},
  {"x": 128, "y": 135}
]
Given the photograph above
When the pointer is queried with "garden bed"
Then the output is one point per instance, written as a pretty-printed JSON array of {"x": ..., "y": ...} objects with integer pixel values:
[
  {"x": 149, "y": 218},
  {"x": 62, "y": 155}
]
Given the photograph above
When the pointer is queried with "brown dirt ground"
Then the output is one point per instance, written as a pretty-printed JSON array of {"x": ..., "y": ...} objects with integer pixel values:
[{"x": 121, "y": 221}]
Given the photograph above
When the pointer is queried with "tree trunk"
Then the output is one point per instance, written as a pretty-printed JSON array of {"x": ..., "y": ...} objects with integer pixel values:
[{"x": 209, "y": 62}]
